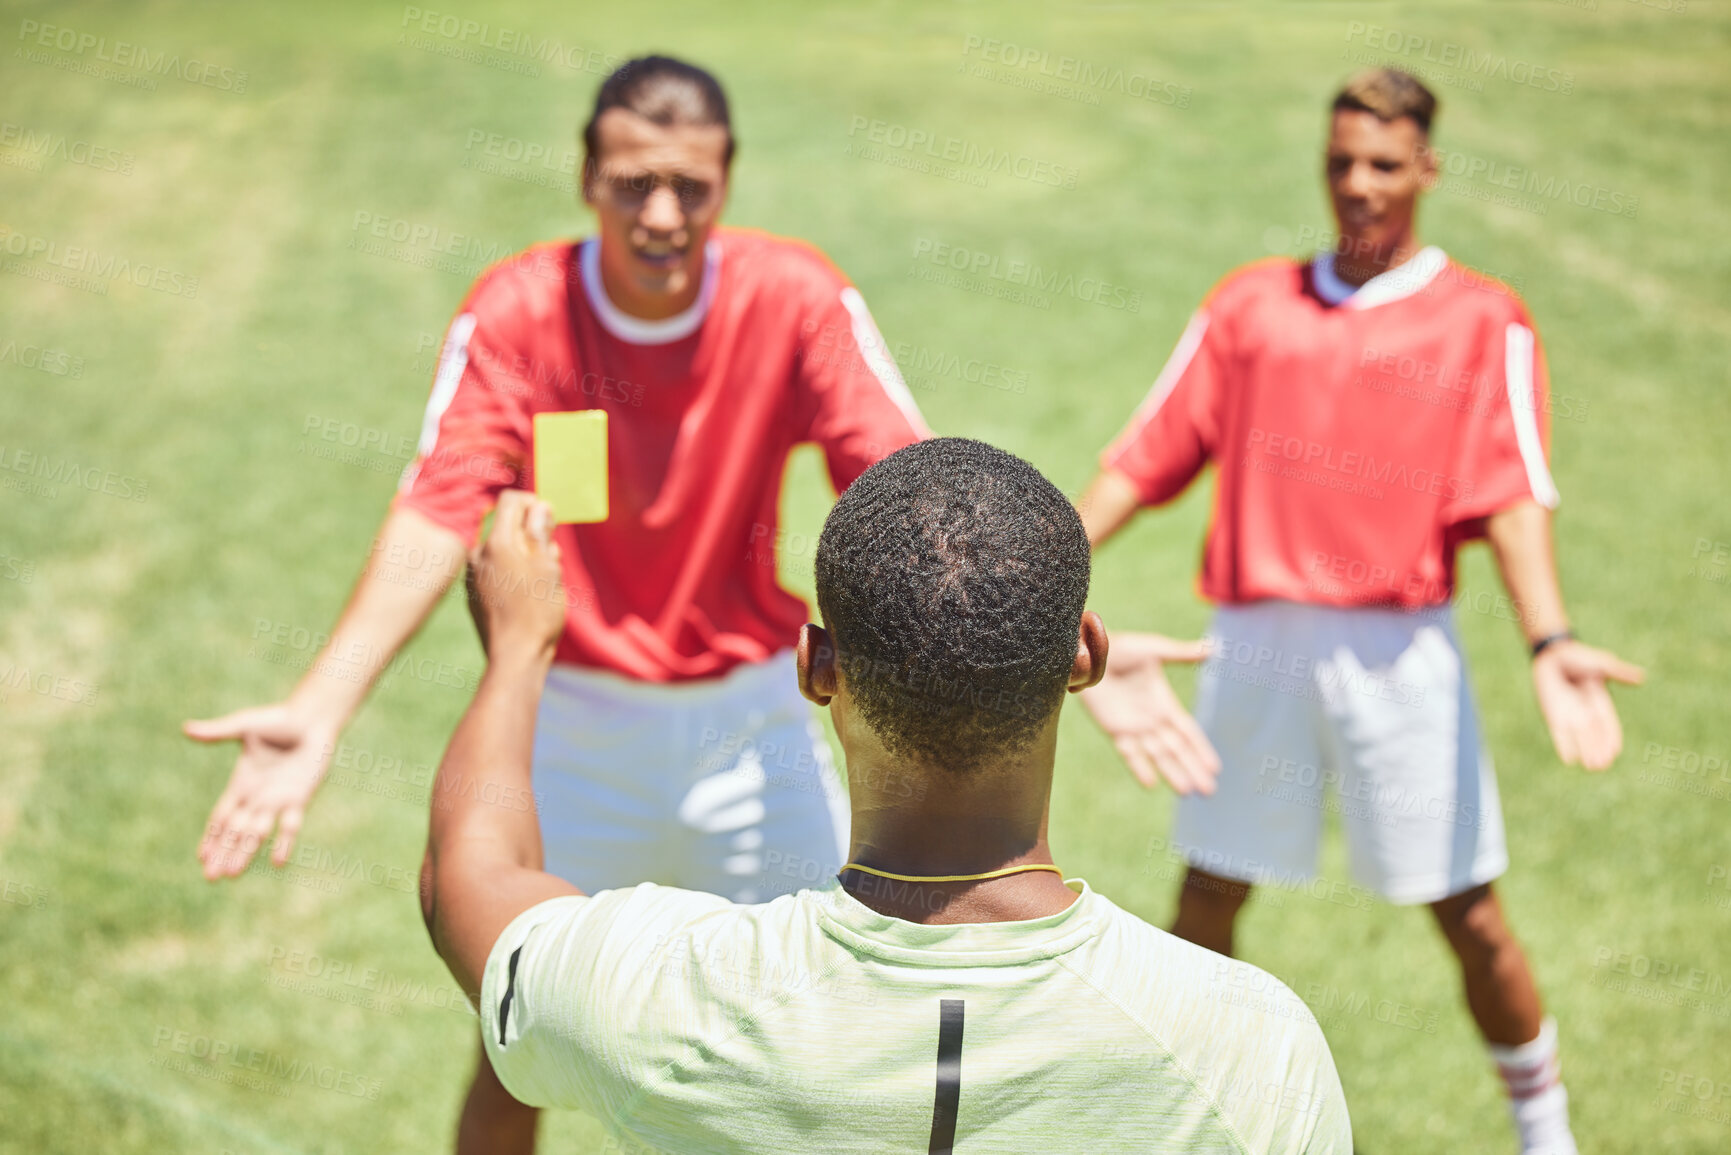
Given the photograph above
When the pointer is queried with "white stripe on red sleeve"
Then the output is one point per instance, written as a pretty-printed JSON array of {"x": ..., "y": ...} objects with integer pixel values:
[
  {"x": 1518, "y": 372},
  {"x": 452, "y": 361},
  {"x": 1188, "y": 342},
  {"x": 878, "y": 359}
]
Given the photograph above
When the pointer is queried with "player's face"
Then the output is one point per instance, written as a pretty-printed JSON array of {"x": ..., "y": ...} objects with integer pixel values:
[
  {"x": 1375, "y": 170},
  {"x": 657, "y": 192}
]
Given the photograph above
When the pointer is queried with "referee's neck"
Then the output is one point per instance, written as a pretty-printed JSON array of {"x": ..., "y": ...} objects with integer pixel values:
[{"x": 928, "y": 822}]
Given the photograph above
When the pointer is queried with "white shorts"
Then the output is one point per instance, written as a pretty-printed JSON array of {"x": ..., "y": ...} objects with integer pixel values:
[
  {"x": 725, "y": 786},
  {"x": 1365, "y": 713}
]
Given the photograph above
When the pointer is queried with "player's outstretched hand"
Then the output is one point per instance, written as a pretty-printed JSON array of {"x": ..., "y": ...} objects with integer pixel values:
[
  {"x": 1570, "y": 679},
  {"x": 515, "y": 595},
  {"x": 283, "y": 758},
  {"x": 1135, "y": 705}
]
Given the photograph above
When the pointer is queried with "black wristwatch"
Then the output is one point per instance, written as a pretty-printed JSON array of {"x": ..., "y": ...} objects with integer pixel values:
[{"x": 1550, "y": 640}]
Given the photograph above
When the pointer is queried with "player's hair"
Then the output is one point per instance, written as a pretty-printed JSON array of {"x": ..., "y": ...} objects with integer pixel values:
[
  {"x": 952, "y": 578},
  {"x": 663, "y": 91},
  {"x": 1388, "y": 94}
]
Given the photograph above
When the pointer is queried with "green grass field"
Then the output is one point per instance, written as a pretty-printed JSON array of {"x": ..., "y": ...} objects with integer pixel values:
[{"x": 216, "y": 512}]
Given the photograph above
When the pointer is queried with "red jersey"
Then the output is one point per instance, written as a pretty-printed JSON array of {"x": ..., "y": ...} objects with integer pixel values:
[
  {"x": 702, "y": 409},
  {"x": 1359, "y": 435}
]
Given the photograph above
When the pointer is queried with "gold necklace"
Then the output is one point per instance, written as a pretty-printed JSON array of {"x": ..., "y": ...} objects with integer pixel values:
[{"x": 951, "y": 877}]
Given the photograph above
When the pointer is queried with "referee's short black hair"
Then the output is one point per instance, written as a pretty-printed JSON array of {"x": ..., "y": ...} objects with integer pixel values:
[{"x": 952, "y": 578}]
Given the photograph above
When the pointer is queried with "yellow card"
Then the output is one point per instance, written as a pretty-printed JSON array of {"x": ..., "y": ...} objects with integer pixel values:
[{"x": 571, "y": 464}]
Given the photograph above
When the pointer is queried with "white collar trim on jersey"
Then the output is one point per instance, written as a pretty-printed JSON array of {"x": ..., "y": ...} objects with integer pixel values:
[
  {"x": 1403, "y": 280},
  {"x": 635, "y": 329}
]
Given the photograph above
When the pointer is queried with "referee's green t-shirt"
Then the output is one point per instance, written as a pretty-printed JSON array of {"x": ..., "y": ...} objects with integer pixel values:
[{"x": 690, "y": 1024}]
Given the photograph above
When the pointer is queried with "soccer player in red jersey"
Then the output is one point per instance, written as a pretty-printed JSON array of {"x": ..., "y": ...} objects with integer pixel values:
[
  {"x": 672, "y": 744},
  {"x": 1367, "y": 412}
]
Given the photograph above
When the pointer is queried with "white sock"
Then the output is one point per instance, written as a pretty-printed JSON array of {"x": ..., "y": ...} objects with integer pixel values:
[{"x": 1537, "y": 1099}]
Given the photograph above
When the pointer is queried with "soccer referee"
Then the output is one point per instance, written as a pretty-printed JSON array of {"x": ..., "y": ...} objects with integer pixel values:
[
  {"x": 1368, "y": 412},
  {"x": 949, "y": 989}
]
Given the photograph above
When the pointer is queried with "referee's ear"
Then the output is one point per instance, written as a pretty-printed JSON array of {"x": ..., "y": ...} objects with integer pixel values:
[
  {"x": 1091, "y": 645},
  {"x": 816, "y": 659}
]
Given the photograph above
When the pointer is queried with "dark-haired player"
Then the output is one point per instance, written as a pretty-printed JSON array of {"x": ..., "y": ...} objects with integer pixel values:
[
  {"x": 949, "y": 990},
  {"x": 1368, "y": 412},
  {"x": 672, "y": 744}
]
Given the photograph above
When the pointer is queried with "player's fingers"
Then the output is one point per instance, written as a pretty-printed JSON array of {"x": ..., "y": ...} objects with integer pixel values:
[
  {"x": 210, "y": 841},
  {"x": 225, "y": 807},
  {"x": 226, "y": 861},
  {"x": 218, "y": 851},
  {"x": 1613, "y": 728},
  {"x": 226, "y": 728},
  {"x": 1605, "y": 732},
  {"x": 1140, "y": 765},
  {"x": 214, "y": 853},
  {"x": 1603, "y": 729},
  {"x": 233, "y": 860},
  {"x": 288, "y": 826},
  {"x": 1172, "y": 767},
  {"x": 250, "y": 827},
  {"x": 207, "y": 853},
  {"x": 1203, "y": 755},
  {"x": 1586, "y": 729},
  {"x": 218, "y": 821},
  {"x": 1179, "y": 650},
  {"x": 1607, "y": 744},
  {"x": 1564, "y": 737},
  {"x": 1175, "y": 760},
  {"x": 1617, "y": 670},
  {"x": 1587, "y": 747},
  {"x": 1178, "y": 779},
  {"x": 1203, "y": 771},
  {"x": 1140, "y": 768}
]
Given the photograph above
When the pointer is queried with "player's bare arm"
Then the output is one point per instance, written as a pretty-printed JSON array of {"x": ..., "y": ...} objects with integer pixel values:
[
  {"x": 1107, "y": 505},
  {"x": 483, "y": 862},
  {"x": 286, "y": 747},
  {"x": 1570, "y": 678}
]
